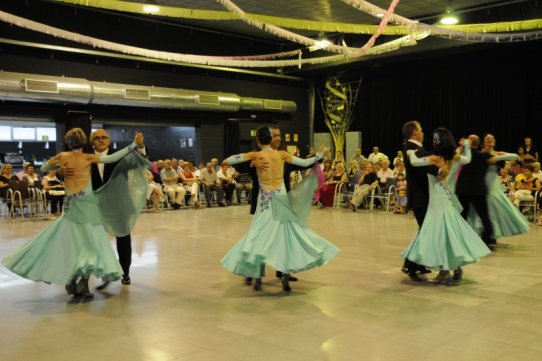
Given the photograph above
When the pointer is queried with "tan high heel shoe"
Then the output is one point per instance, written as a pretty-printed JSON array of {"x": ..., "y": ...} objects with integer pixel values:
[{"x": 442, "y": 277}]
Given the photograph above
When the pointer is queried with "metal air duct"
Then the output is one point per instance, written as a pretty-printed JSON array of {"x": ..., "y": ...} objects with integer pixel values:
[{"x": 51, "y": 89}]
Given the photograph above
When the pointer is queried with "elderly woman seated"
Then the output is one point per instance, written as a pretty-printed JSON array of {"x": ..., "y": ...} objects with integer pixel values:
[
  {"x": 327, "y": 192},
  {"x": 190, "y": 182},
  {"x": 154, "y": 191}
]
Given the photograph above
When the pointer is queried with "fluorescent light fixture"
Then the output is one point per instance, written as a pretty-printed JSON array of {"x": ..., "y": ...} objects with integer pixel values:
[
  {"x": 449, "y": 18},
  {"x": 320, "y": 44},
  {"x": 151, "y": 9}
]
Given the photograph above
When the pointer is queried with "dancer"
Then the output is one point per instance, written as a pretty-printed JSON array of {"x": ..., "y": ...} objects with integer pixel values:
[
  {"x": 505, "y": 218},
  {"x": 278, "y": 234},
  {"x": 100, "y": 175},
  {"x": 471, "y": 189},
  {"x": 445, "y": 241},
  {"x": 418, "y": 188},
  {"x": 76, "y": 245},
  {"x": 262, "y": 165}
]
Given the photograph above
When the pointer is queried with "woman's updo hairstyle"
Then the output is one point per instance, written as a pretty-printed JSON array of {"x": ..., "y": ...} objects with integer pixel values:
[
  {"x": 444, "y": 143},
  {"x": 75, "y": 138},
  {"x": 264, "y": 135}
]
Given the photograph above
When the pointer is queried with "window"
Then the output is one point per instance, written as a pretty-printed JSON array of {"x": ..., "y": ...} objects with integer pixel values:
[
  {"x": 24, "y": 133},
  {"x": 5, "y": 132},
  {"x": 45, "y": 134}
]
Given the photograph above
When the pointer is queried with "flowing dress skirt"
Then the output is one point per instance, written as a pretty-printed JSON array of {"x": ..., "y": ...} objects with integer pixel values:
[{"x": 278, "y": 235}]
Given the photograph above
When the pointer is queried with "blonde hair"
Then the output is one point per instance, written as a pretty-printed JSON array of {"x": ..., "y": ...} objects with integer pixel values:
[
  {"x": 75, "y": 138},
  {"x": 4, "y": 167}
]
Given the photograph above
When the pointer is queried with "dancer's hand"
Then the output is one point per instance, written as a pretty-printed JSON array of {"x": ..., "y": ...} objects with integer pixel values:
[
  {"x": 66, "y": 172},
  {"x": 260, "y": 163}
]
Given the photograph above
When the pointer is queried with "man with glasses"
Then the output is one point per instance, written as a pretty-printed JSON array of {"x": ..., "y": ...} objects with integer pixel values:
[{"x": 100, "y": 173}]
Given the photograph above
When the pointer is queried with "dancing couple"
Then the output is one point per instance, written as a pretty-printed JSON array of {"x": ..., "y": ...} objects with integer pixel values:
[{"x": 278, "y": 234}]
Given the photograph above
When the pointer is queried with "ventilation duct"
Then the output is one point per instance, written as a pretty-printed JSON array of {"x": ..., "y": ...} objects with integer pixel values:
[{"x": 50, "y": 89}]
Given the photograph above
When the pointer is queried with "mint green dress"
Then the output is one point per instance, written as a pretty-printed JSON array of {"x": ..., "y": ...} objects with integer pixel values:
[
  {"x": 505, "y": 218},
  {"x": 445, "y": 240},
  {"x": 76, "y": 244},
  {"x": 278, "y": 235}
]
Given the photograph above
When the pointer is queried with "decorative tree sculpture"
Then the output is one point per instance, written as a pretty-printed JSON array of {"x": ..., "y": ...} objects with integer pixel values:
[{"x": 338, "y": 100}]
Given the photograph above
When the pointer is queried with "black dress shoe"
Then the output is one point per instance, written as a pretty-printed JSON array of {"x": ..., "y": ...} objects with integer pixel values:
[
  {"x": 125, "y": 280},
  {"x": 71, "y": 287},
  {"x": 286, "y": 283},
  {"x": 248, "y": 281},
  {"x": 424, "y": 270},
  {"x": 258, "y": 284},
  {"x": 292, "y": 278},
  {"x": 103, "y": 286},
  {"x": 458, "y": 274},
  {"x": 414, "y": 277}
]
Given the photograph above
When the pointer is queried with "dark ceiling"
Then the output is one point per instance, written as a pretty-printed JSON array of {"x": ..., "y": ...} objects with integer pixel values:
[{"x": 234, "y": 37}]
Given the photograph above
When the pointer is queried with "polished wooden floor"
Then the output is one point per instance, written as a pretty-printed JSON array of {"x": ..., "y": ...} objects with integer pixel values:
[{"x": 183, "y": 306}]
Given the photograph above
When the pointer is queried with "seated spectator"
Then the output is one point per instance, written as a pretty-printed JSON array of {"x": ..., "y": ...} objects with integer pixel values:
[
  {"x": 506, "y": 180},
  {"x": 367, "y": 182},
  {"x": 521, "y": 156},
  {"x": 376, "y": 156},
  {"x": 226, "y": 176},
  {"x": 537, "y": 172},
  {"x": 526, "y": 187},
  {"x": 170, "y": 179},
  {"x": 384, "y": 173},
  {"x": 354, "y": 173},
  {"x": 515, "y": 168},
  {"x": 400, "y": 207},
  {"x": 54, "y": 192},
  {"x": 399, "y": 168},
  {"x": 156, "y": 171},
  {"x": 398, "y": 158},
  {"x": 30, "y": 178},
  {"x": 358, "y": 157},
  {"x": 327, "y": 192},
  {"x": 6, "y": 176},
  {"x": 339, "y": 158},
  {"x": 401, "y": 182},
  {"x": 154, "y": 191},
  {"x": 530, "y": 154},
  {"x": 190, "y": 183},
  {"x": 244, "y": 182},
  {"x": 210, "y": 182},
  {"x": 327, "y": 173}
]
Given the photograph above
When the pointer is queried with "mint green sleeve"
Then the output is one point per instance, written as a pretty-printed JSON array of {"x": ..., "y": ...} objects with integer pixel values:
[
  {"x": 507, "y": 156},
  {"x": 415, "y": 161},
  {"x": 465, "y": 157},
  {"x": 236, "y": 159},
  {"x": 307, "y": 162},
  {"x": 45, "y": 167},
  {"x": 115, "y": 157}
]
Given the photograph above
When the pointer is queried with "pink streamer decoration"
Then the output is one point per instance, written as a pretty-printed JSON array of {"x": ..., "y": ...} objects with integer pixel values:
[{"x": 381, "y": 27}]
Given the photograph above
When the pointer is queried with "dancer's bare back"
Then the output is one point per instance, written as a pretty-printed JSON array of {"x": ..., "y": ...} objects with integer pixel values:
[{"x": 79, "y": 163}]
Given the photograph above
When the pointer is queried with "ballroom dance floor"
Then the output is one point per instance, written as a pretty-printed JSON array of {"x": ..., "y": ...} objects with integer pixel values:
[{"x": 182, "y": 306}]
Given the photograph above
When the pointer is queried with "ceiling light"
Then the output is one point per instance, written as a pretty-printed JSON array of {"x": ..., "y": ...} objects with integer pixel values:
[
  {"x": 320, "y": 44},
  {"x": 450, "y": 18},
  {"x": 380, "y": 15},
  {"x": 151, "y": 9}
]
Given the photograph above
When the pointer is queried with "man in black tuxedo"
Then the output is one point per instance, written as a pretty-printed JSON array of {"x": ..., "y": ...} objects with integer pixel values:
[
  {"x": 471, "y": 188},
  {"x": 100, "y": 173},
  {"x": 417, "y": 186}
]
